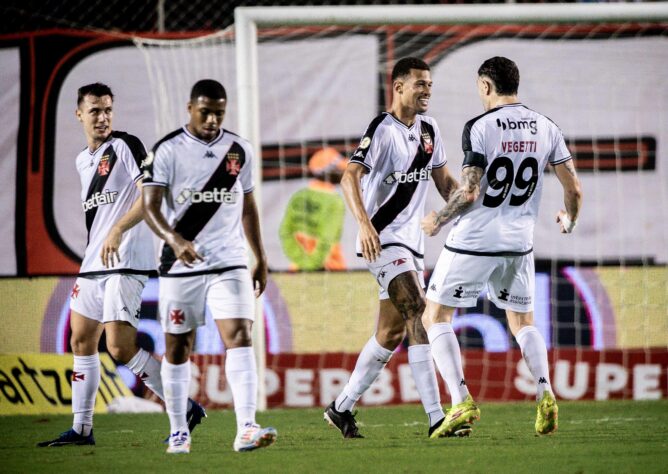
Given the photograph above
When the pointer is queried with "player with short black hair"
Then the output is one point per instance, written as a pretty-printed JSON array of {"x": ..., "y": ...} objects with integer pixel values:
[
  {"x": 503, "y": 73},
  {"x": 385, "y": 185},
  {"x": 203, "y": 175},
  {"x": 118, "y": 257},
  {"x": 490, "y": 247},
  {"x": 208, "y": 88}
]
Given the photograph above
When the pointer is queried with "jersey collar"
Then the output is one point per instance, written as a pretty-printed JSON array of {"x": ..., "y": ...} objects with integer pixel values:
[{"x": 221, "y": 132}]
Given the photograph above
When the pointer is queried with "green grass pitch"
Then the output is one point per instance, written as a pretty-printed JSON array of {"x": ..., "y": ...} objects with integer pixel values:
[{"x": 605, "y": 437}]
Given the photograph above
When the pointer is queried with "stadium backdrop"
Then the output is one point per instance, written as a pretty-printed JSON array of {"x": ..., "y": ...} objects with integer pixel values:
[{"x": 599, "y": 349}]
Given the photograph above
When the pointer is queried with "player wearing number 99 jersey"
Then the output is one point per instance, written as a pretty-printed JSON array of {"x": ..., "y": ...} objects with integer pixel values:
[{"x": 490, "y": 246}]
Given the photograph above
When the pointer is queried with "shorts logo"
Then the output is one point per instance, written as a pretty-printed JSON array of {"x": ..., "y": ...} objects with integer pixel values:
[
  {"x": 514, "y": 299},
  {"x": 469, "y": 292},
  {"x": 75, "y": 291},
  {"x": 176, "y": 316},
  {"x": 103, "y": 166},
  {"x": 382, "y": 274},
  {"x": 399, "y": 261},
  {"x": 432, "y": 287},
  {"x": 233, "y": 164},
  {"x": 78, "y": 376},
  {"x": 427, "y": 143}
]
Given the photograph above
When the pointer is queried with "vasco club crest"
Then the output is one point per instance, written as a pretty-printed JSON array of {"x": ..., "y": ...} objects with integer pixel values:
[
  {"x": 233, "y": 164},
  {"x": 103, "y": 166}
]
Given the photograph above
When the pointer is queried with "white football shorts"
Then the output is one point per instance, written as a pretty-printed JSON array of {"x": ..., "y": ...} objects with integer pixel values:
[
  {"x": 107, "y": 298},
  {"x": 458, "y": 279},
  {"x": 229, "y": 295},
  {"x": 393, "y": 261}
]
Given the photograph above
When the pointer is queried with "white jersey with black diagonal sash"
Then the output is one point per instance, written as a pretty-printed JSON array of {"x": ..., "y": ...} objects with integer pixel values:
[
  {"x": 513, "y": 144},
  {"x": 205, "y": 185},
  {"x": 108, "y": 191},
  {"x": 399, "y": 160}
]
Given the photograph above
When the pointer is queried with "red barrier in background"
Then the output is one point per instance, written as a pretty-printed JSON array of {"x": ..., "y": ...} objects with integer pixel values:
[{"x": 310, "y": 380}]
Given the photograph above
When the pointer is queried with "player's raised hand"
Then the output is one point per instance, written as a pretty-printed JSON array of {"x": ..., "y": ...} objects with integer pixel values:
[
  {"x": 260, "y": 278},
  {"x": 430, "y": 224},
  {"x": 184, "y": 250},
  {"x": 109, "y": 253},
  {"x": 566, "y": 225},
  {"x": 370, "y": 242}
]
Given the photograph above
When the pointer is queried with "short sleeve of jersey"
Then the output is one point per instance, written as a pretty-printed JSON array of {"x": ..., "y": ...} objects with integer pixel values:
[
  {"x": 560, "y": 152},
  {"x": 246, "y": 174},
  {"x": 473, "y": 146},
  {"x": 367, "y": 151},
  {"x": 438, "y": 158},
  {"x": 157, "y": 169},
  {"x": 132, "y": 153}
]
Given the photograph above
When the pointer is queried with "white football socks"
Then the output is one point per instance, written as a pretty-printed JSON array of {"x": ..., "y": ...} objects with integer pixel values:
[
  {"x": 370, "y": 363},
  {"x": 241, "y": 374},
  {"x": 148, "y": 370},
  {"x": 534, "y": 352},
  {"x": 176, "y": 383},
  {"x": 85, "y": 382},
  {"x": 424, "y": 374},
  {"x": 448, "y": 357}
]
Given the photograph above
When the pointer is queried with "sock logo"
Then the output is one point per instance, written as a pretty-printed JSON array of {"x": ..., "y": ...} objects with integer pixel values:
[
  {"x": 78, "y": 376},
  {"x": 462, "y": 382},
  {"x": 542, "y": 380}
]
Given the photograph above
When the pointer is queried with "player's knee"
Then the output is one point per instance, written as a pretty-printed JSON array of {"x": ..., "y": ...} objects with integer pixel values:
[
  {"x": 390, "y": 338},
  {"x": 177, "y": 354},
  {"x": 121, "y": 352},
  {"x": 240, "y": 337},
  {"x": 410, "y": 306},
  {"x": 83, "y": 344}
]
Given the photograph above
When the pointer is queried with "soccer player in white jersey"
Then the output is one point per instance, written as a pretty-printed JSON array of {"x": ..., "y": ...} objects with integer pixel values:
[
  {"x": 490, "y": 247},
  {"x": 202, "y": 174},
  {"x": 385, "y": 186},
  {"x": 119, "y": 255}
]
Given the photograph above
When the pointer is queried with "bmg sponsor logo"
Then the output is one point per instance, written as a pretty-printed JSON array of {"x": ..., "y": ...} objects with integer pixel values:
[{"x": 518, "y": 125}]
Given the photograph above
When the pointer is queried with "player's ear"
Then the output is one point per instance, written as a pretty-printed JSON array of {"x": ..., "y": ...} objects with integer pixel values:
[
  {"x": 77, "y": 112},
  {"x": 398, "y": 86}
]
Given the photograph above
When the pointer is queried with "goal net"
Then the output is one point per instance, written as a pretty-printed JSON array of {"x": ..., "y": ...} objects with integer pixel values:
[{"x": 304, "y": 86}]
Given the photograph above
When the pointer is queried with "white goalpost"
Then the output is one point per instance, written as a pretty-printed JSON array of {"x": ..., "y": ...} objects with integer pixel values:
[{"x": 303, "y": 80}]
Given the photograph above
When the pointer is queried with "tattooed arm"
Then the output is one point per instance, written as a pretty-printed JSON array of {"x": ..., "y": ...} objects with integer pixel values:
[
  {"x": 572, "y": 196},
  {"x": 459, "y": 201}
]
